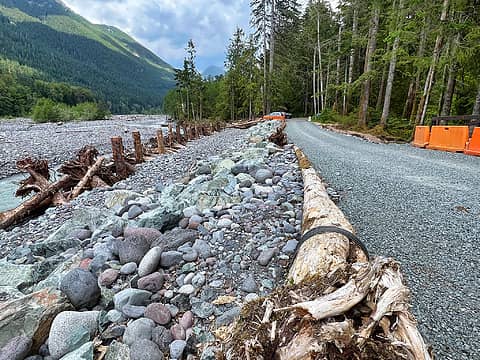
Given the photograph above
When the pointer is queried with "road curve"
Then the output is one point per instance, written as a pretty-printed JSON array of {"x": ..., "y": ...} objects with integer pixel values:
[{"x": 421, "y": 207}]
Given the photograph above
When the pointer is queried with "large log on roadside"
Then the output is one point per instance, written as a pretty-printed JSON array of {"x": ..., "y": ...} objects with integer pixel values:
[{"x": 335, "y": 304}]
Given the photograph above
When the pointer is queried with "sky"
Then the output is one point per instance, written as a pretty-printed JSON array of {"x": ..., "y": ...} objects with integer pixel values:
[{"x": 165, "y": 26}]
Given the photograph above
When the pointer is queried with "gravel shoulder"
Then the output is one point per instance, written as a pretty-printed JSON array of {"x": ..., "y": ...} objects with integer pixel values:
[
  {"x": 60, "y": 142},
  {"x": 422, "y": 208}
]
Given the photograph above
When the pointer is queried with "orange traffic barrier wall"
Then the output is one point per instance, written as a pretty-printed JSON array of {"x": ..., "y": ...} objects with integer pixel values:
[
  {"x": 422, "y": 136},
  {"x": 473, "y": 146},
  {"x": 448, "y": 138}
]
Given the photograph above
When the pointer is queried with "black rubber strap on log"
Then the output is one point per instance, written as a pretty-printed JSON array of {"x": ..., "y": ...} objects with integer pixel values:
[{"x": 334, "y": 229}]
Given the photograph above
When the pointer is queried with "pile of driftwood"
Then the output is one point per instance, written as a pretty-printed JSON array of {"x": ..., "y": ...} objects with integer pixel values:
[
  {"x": 85, "y": 172},
  {"x": 336, "y": 304},
  {"x": 245, "y": 124}
]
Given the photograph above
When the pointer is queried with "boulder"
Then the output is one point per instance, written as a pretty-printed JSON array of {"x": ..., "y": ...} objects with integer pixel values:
[
  {"x": 158, "y": 313},
  {"x": 150, "y": 261},
  {"x": 117, "y": 351},
  {"x": 108, "y": 277},
  {"x": 145, "y": 350},
  {"x": 81, "y": 288},
  {"x": 31, "y": 316},
  {"x": 84, "y": 352},
  {"x": 137, "y": 330},
  {"x": 16, "y": 276},
  {"x": 135, "y": 244},
  {"x": 119, "y": 198},
  {"x": 171, "y": 258},
  {"x": 175, "y": 238},
  {"x": 131, "y": 297},
  {"x": 16, "y": 349},
  {"x": 70, "y": 330},
  {"x": 152, "y": 282}
]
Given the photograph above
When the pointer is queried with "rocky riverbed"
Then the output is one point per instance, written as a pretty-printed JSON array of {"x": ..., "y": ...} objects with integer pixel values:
[
  {"x": 59, "y": 142},
  {"x": 152, "y": 268}
]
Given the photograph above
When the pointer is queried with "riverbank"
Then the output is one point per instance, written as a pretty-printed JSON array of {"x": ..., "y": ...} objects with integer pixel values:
[{"x": 164, "y": 258}]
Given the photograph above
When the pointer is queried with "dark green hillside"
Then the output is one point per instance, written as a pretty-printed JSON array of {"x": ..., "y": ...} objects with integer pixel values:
[{"x": 64, "y": 47}]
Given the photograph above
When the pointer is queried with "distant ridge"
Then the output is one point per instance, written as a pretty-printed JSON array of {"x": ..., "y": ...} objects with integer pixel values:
[
  {"x": 213, "y": 71},
  {"x": 49, "y": 37}
]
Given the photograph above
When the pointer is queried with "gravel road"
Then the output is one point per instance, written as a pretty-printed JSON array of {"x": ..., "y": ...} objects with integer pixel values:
[
  {"x": 60, "y": 142},
  {"x": 421, "y": 207}
]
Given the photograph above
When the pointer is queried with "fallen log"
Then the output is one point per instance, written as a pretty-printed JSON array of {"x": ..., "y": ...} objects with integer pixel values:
[
  {"x": 244, "y": 124},
  {"x": 336, "y": 302},
  {"x": 77, "y": 190},
  {"x": 38, "y": 202},
  {"x": 85, "y": 172}
]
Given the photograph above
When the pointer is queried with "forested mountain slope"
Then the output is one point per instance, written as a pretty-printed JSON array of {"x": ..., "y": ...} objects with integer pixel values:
[{"x": 47, "y": 36}]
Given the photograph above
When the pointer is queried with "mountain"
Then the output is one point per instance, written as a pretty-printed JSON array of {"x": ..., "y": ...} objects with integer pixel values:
[
  {"x": 47, "y": 36},
  {"x": 213, "y": 71}
]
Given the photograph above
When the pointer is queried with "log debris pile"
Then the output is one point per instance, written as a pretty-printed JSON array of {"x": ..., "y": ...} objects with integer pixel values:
[
  {"x": 335, "y": 305},
  {"x": 245, "y": 124},
  {"x": 85, "y": 172}
]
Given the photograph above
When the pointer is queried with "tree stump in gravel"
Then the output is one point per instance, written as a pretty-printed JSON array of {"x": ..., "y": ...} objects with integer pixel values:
[
  {"x": 121, "y": 168},
  {"x": 137, "y": 142},
  {"x": 170, "y": 135},
  {"x": 160, "y": 142},
  {"x": 178, "y": 133},
  {"x": 335, "y": 304}
]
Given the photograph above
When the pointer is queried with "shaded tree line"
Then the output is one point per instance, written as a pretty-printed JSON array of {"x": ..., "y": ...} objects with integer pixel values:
[{"x": 382, "y": 64}]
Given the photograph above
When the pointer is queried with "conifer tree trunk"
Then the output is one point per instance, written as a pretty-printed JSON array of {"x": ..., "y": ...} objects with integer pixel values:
[
  {"x": 352, "y": 57},
  {"x": 452, "y": 79},
  {"x": 344, "y": 105},
  {"x": 409, "y": 111},
  {"x": 391, "y": 71},
  {"x": 272, "y": 37},
  {"x": 476, "y": 106},
  {"x": 315, "y": 110},
  {"x": 422, "y": 107},
  {"x": 337, "y": 74},
  {"x": 391, "y": 76},
  {"x": 320, "y": 69},
  {"x": 372, "y": 42}
]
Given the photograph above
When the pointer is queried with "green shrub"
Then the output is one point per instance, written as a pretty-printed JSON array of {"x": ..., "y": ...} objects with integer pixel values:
[
  {"x": 89, "y": 111},
  {"x": 46, "y": 110},
  {"x": 327, "y": 116}
]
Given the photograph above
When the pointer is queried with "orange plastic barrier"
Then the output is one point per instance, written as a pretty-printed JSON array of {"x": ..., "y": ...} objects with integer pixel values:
[
  {"x": 473, "y": 146},
  {"x": 448, "y": 138},
  {"x": 422, "y": 136}
]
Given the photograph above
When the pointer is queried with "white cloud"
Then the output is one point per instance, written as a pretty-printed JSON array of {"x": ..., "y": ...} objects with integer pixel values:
[{"x": 165, "y": 26}]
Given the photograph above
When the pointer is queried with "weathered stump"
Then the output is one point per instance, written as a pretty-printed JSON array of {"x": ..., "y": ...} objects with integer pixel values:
[
  {"x": 160, "y": 142},
  {"x": 121, "y": 168},
  {"x": 137, "y": 142}
]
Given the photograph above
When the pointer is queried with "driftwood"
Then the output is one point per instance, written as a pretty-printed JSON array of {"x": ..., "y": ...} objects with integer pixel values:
[
  {"x": 279, "y": 137},
  {"x": 244, "y": 124},
  {"x": 335, "y": 304},
  {"x": 85, "y": 172}
]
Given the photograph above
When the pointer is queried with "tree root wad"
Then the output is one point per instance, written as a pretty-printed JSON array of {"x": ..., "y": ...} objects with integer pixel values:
[
  {"x": 85, "y": 172},
  {"x": 375, "y": 327}
]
